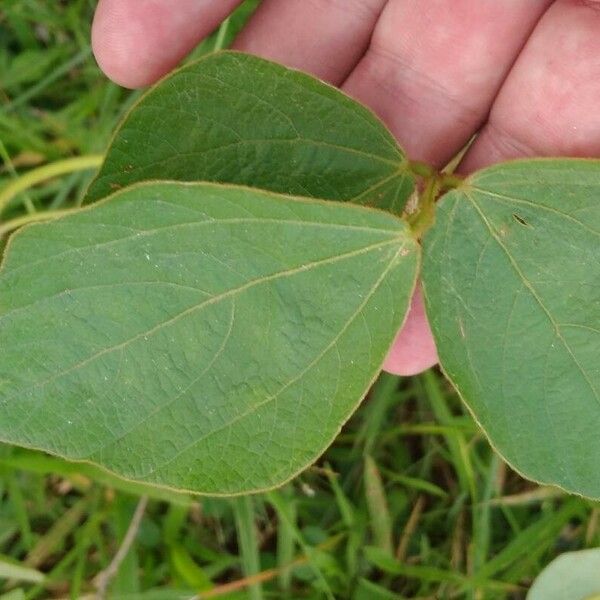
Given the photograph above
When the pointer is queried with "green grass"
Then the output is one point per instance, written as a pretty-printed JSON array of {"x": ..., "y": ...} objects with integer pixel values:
[{"x": 410, "y": 501}]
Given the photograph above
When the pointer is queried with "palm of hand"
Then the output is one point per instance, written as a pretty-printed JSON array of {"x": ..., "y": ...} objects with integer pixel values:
[{"x": 524, "y": 76}]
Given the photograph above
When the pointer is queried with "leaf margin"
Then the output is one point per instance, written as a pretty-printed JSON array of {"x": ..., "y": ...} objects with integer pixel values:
[
  {"x": 404, "y": 165},
  {"x": 306, "y": 199},
  {"x": 464, "y": 185}
]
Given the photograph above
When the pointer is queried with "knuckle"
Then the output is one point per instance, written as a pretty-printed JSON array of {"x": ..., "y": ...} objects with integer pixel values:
[{"x": 404, "y": 79}]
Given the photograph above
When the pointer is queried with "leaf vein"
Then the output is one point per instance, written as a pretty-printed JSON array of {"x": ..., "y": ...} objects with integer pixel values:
[
  {"x": 294, "y": 379},
  {"x": 536, "y": 296},
  {"x": 214, "y": 299}
]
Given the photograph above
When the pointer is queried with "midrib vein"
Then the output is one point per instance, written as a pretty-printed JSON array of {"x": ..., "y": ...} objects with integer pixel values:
[
  {"x": 213, "y": 300},
  {"x": 141, "y": 233},
  {"x": 294, "y": 379},
  {"x": 533, "y": 291}
]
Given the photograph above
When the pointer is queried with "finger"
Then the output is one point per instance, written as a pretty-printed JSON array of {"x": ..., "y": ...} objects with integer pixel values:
[
  {"x": 431, "y": 73},
  {"x": 434, "y": 67},
  {"x": 136, "y": 43},
  {"x": 550, "y": 102},
  {"x": 413, "y": 350},
  {"x": 323, "y": 37}
]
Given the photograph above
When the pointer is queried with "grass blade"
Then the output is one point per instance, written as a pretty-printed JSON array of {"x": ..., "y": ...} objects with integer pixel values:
[
  {"x": 379, "y": 513},
  {"x": 243, "y": 509},
  {"x": 9, "y": 570}
]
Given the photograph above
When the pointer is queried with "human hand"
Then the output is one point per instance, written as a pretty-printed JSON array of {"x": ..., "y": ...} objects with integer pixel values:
[{"x": 524, "y": 74}]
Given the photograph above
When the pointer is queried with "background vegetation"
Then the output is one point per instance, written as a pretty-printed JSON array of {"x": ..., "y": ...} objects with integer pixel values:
[{"x": 410, "y": 501}]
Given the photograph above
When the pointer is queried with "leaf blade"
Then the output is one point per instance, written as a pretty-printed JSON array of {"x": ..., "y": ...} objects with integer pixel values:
[
  {"x": 235, "y": 118},
  {"x": 135, "y": 346},
  {"x": 511, "y": 272},
  {"x": 573, "y": 574}
]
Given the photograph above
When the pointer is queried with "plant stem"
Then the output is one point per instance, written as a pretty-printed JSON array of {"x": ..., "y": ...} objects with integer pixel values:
[
  {"x": 450, "y": 181},
  {"x": 424, "y": 217},
  {"x": 35, "y": 176},
  {"x": 422, "y": 169},
  {"x": 435, "y": 183}
]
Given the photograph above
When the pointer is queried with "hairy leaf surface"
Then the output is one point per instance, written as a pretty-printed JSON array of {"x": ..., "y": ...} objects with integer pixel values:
[
  {"x": 512, "y": 288},
  {"x": 198, "y": 336},
  {"x": 235, "y": 118}
]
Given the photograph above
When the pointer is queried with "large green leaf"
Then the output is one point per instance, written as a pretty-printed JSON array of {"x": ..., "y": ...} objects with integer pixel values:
[
  {"x": 512, "y": 288},
  {"x": 198, "y": 336},
  {"x": 571, "y": 576},
  {"x": 235, "y": 118}
]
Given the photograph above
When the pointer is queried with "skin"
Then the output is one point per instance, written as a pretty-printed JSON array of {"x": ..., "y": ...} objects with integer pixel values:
[{"x": 522, "y": 74}]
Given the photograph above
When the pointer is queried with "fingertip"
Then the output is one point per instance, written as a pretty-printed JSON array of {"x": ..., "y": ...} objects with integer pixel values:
[
  {"x": 548, "y": 103},
  {"x": 136, "y": 43},
  {"x": 414, "y": 349},
  {"x": 121, "y": 47}
]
